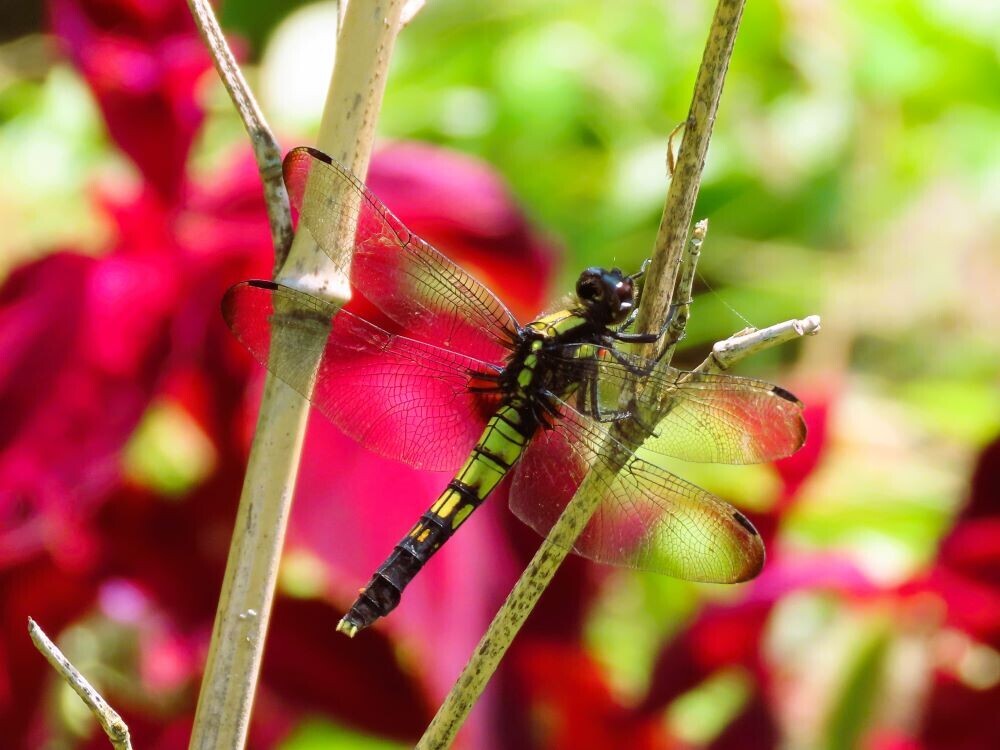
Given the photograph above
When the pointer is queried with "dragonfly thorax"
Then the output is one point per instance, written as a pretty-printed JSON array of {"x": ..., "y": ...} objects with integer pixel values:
[{"x": 532, "y": 373}]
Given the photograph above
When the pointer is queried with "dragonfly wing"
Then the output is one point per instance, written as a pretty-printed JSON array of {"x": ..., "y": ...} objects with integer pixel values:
[
  {"x": 430, "y": 297},
  {"x": 703, "y": 417},
  {"x": 647, "y": 518},
  {"x": 404, "y": 399}
]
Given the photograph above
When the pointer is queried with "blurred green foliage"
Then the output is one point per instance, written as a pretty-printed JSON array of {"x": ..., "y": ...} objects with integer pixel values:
[
  {"x": 844, "y": 129},
  {"x": 50, "y": 146},
  {"x": 854, "y": 173},
  {"x": 851, "y": 712},
  {"x": 323, "y": 735}
]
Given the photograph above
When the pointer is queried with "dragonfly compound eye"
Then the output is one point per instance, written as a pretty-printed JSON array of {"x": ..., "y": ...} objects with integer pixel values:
[{"x": 590, "y": 287}]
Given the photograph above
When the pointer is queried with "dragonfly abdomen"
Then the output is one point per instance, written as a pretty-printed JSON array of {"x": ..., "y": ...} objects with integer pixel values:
[{"x": 501, "y": 444}]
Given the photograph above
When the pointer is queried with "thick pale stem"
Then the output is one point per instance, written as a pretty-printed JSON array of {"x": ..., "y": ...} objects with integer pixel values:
[
  {"x": 107, "y": 717},
  {"x": 348, "y": 132},
  {"x": 657, "y": 292}
]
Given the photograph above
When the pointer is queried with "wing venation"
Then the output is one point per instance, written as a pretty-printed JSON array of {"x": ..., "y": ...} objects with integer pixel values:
[
  {"x": 646, "y": 517},
  {"x": 702, "y": 417},
  {"x": 422, "y": 291},
  {"x": 405, "y": 399}
]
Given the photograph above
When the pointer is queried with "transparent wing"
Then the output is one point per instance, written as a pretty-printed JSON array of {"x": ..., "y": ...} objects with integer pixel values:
[
  {"x": 404, "y": 399},
  {"x": 429, "y": 296},
  {"x": 647, "y": 518},
  {"x": 712, "y": 418}
]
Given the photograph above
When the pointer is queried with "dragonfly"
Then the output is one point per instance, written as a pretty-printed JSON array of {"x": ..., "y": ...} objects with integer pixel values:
[{"x": 452, "y": 382}]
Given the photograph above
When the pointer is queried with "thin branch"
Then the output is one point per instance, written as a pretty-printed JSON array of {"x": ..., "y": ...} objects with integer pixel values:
[
  {"x": 266, "y": 150},
  {"x": 679, "y": 206},
  {"x": 739, "y": 346},
  {"x": 685, "y": 287},
  {"x": 347, "y": 132},
  {"x": 657, "y": 295},
  {"x": 107, "y": 717}
]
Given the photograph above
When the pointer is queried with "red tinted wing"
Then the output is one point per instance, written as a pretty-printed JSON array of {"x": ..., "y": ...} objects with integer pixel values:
[
  {"x": 404, "y": 399},
  {"x": 429, "y": 296},
  {"x": 646, "y": 518}
]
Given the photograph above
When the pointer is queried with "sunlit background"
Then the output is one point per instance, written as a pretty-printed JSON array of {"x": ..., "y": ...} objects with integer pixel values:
[{"x": 854, "y": 173}]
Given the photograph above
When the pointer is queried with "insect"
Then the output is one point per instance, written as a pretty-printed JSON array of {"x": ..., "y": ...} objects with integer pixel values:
[{"x": 463, "y": 387}]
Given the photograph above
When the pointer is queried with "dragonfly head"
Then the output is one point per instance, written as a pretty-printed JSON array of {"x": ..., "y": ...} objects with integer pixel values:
[{"x": 608, "y": 295}]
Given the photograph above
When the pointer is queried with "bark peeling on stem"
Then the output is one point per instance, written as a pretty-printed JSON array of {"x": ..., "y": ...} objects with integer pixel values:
[
  {"x": 657, "y": 295},
  {"x": 685, "y": 288}
]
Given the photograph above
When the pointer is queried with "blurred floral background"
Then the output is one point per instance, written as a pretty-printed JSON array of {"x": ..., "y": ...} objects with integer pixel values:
[{"x": 854, "y": 173}]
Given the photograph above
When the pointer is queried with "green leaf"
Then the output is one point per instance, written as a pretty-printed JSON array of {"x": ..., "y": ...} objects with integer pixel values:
[
  {"x": 319, "y": 734},
  {"x": 853, "y": 706},
  {"x": 701, "y": 714},
  {"x": 168, "y": 452}
]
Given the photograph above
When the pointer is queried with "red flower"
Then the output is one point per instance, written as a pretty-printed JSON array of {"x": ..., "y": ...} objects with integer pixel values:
[
  {"x": 142, "y": 59},
  {"x": 458, "y": 204},
  {"x": 582, "y": 715},
  {"x": 965, "y": 577},
  {"x": 93, "y": 343}
]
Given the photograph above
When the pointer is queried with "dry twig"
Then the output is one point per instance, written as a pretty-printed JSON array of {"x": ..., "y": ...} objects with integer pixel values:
[
  {"x": 107, "y": 717},
  {"x": 266, "y": 150}
]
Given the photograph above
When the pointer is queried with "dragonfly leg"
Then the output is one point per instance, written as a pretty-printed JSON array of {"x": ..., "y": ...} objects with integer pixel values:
[
  {"x": 640, "y": 371},
  {"x": 594, "y": 407},
  {"x": 638, "y": 294},
  {"x": 650, "y": 338},
  {"x": 545, "y": 410},
  {"x": 622, "y": 333},
  {"x": 628, "y": 363},
  {"x": 484, "y": 389},
  {"x": 510, "y": 338},
  {"x": 493, "y": 377},
  {"x": 485, "y": 382}
]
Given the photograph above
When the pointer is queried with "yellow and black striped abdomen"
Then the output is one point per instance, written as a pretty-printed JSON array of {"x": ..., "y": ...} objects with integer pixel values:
[
  {"x": 503, "y": 441},
  {"x": 501, "y": 444}
]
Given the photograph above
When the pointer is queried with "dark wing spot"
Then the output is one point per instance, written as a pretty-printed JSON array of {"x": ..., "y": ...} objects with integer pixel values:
[
  {"x": 744, "y": 522},
  {"x": 261, "y": 284},
  {"x": 787, "y": 395},
  {"x": 317, "y": 154}
]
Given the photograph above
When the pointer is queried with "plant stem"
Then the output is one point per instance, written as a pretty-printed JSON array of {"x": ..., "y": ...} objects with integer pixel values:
[
  {"x": 679, "y": 206},
  {"x": 685, "y": 288},
  {"x": 657, "y": 293},
  {"x": 741, "y": 345},
  {"x": 107, "y": 717},
  {"x": 266, "y": 150},
  {"x": 348, "y": 132}
]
